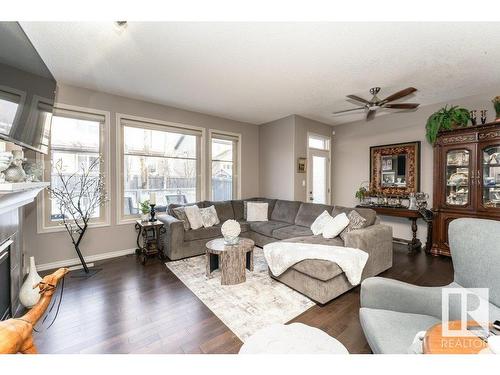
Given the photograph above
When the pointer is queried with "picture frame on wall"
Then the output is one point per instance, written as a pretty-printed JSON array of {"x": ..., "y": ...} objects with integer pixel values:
[
  {"x": 388, "y": 178},
  {"x": 387, "y": 163},
  {"x": 301, "y": 165}
]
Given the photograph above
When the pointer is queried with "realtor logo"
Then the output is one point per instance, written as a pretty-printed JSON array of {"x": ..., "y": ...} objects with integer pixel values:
[{"x": 472, "y": 305}]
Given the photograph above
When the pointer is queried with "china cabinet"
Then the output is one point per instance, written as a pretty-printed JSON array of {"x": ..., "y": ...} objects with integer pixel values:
[{"x": 466, "y": 179}]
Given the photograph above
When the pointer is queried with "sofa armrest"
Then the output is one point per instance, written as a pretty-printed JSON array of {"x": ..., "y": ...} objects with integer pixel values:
[
  {"x": 174, "y": 235},
  {"x": 366, "y": 238},
  {"x": 394, "y": 295},
  {"x": 376, "y": 240}
]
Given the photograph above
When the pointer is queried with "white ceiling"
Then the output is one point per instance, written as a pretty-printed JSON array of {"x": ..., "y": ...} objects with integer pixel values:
[{"x": 258, "y": 72}]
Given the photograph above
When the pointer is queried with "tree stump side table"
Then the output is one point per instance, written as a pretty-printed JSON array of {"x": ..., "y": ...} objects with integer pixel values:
[
  {"x": 152, "y": 245},
  {"x": 231, "y": 259}
]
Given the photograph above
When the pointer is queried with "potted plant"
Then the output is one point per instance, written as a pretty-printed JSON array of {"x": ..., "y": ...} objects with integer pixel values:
[
  {"x": 144, "y": 208},
  {"x": 446, "y": 119},
  {"x": 361, "y": 194},
  {"x": 496, "y": 104}
]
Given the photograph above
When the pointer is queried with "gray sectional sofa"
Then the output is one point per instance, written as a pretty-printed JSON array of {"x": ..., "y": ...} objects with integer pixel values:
[{"x": 289, "y": 221}]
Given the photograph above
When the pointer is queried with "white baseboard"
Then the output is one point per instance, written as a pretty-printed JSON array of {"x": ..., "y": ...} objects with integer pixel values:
[{"x": 90, "y": 258}]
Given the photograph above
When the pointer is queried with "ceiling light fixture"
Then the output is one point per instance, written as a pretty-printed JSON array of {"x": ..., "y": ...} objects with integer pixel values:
[{"x": 120, "y": 25}]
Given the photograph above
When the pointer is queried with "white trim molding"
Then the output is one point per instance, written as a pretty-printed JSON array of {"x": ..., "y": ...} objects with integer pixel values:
[
  {"x": 328, "y": 153},
  {"x": 230, "y": 135},
  {"x": 153, "y": 124},
  {"x": 41, "y": 224},
  {"x": 90, "y": 258}
]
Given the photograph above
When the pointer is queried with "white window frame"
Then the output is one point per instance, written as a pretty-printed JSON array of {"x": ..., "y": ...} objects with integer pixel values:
[
  {"x": 237, "y": 176},
  {"x": 44, "y": 224},
  {"x": 327, "y": 139},
  {"x": 327, "y": 150},
  {"x": 152, "y": 124}
]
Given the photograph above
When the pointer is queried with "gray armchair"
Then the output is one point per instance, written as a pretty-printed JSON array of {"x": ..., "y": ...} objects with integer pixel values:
[{"x": 392, "y": 312}]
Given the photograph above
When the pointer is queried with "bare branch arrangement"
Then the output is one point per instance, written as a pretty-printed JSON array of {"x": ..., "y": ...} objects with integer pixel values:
[{"x": 78, "y": 196}]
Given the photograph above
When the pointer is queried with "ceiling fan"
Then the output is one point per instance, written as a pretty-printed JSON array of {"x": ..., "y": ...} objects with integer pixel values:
[{"x": 376, "y": 103}]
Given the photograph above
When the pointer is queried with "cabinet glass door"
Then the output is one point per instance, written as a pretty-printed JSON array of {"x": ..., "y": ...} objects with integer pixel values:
[
  {"x": 490, "y": 189},
  {"x": 457, "y": 178}
]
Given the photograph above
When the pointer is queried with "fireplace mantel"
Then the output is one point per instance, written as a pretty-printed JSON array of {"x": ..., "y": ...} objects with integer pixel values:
[{"x": 15, "y": 195}]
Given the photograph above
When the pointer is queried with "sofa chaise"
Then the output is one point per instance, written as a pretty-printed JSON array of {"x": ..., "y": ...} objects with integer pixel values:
[{"x": 290, "y": 221}]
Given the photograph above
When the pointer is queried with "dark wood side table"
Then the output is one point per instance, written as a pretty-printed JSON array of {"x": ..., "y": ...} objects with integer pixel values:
[
  {"x": 231, "y": 259},
  {"x": 152, "y": 245},
  {"x": 413, "y": 216}
]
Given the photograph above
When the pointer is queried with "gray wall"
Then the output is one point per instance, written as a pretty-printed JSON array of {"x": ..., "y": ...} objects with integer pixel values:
[
  {"x": 54, "y": 247},
  {"x": 276, "y": 145},
  {"x": 351, "y": 151},
  {"x": 282, "y": 142}
]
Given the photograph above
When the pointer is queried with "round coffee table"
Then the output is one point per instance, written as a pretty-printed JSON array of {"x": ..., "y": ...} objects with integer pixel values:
[
  {"x": 231, "y": 259},
  {"x": 295, "y": 338}
]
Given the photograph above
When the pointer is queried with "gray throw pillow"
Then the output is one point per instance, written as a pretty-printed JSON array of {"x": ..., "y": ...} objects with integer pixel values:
[
  {"x": 180, "y": 214},
  {"x": 356, "y": 221}
]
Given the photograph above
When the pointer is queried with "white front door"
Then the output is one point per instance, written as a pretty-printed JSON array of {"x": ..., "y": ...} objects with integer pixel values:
[{"x": 318, "y": 176}]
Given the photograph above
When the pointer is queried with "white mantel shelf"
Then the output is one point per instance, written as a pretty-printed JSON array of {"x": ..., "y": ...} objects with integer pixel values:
[{"x": 15, "y": 195}]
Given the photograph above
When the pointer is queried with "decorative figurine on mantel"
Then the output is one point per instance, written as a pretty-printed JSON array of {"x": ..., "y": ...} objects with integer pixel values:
[
  {"x": 5, "y": 160},
  {"x": 15, "y": 172}
]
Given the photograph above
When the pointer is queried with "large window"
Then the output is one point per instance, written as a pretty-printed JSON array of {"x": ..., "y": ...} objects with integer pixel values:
[
  {"x": 159, "y": 160},
  {"x": 9, "y": 105},
  {"x": 76, "y": 139},
  {"x": 224, "y": 166}
]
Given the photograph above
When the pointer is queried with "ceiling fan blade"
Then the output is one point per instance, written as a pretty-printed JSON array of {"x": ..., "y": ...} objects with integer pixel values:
[
  {"x": 348, "y": 110},
  {"x": 371, "y": 114},
  {"x": 358, "y": 99},
  {"x": 402, "y": 105},
  {"x": 399, "y": 95}
]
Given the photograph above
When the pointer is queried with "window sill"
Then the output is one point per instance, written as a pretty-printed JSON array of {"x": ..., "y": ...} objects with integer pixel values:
[
  {"x": 60, "y": 228},
  {"x": 128, "y": 221}
]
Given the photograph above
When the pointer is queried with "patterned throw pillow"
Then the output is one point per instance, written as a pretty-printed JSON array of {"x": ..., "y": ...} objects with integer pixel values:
[
  {"x": 180, "y": 214},
  {"x": 356, "y": 221},
  {"x": 194, "y": 216},
  {"x": 209, "y": 216}
]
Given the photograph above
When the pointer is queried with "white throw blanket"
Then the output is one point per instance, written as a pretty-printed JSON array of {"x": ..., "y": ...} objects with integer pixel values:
[{"x": 282, "y": 255}]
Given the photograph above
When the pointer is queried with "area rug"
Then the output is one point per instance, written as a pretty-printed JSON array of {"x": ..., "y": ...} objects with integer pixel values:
[{"x": 247, "y": 307}]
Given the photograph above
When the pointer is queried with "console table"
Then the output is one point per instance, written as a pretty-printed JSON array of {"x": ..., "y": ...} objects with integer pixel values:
[{"x": 413, "y": 216}]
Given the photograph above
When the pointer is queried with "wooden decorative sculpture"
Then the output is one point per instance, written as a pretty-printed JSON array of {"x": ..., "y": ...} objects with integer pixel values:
[{"x": 16, "y": 335}]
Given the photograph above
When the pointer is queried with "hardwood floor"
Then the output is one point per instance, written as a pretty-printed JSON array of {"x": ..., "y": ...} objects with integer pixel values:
[{"x": 130, "y": 308}]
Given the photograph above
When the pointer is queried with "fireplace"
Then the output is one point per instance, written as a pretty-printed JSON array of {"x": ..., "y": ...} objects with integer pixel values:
[
  {"x": 5, "y": 289},
  {"x": 13, "y": 197}
]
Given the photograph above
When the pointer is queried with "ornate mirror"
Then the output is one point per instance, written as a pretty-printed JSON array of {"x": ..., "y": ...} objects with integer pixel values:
[{"x": 395, "y": 169}]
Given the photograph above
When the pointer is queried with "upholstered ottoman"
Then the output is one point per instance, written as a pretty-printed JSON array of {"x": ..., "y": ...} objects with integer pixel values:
[{"x": 295, "y": 338}]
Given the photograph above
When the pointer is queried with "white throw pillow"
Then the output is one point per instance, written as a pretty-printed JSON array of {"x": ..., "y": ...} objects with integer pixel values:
[
  {"x": 335, "y": 225},
  {"x": 257, "y": 211},
  {"x": 209, "y": 216},
  {"x": 194, "y": 216},
  {"x": 319, "y": 223}
]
